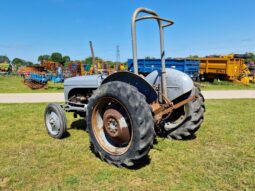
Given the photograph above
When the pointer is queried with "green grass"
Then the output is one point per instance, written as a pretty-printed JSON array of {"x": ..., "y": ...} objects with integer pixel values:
[
  {"x": 225, "y": 85},
  {"x": 222, "y": 157},
  {"x": 14, "y": 84}
]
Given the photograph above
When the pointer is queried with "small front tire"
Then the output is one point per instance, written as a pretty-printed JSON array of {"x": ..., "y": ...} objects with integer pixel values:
[{"x": 55, "y": 121}]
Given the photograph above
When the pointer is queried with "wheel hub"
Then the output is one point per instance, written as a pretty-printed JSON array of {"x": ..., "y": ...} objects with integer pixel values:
[
  {"x": 53, "y": 123},
  {"x": 116, "y": 126},
  {"x": 112, "y": 126}
]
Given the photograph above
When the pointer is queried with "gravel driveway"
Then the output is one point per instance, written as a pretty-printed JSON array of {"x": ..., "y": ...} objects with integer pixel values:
[{"x": 59, "y": 97}]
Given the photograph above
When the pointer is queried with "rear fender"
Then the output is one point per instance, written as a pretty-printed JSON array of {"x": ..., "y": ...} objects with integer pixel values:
[
  {"x": 141, "y": 84},
  {"x": 178, "y": 83}
]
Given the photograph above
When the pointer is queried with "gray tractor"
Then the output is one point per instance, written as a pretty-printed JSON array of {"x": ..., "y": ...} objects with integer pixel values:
[{"x": 124, "y": 111}]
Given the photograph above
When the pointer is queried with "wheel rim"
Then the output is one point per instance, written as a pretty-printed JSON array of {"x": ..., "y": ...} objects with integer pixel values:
[
  {"x": 52, "y": 122},
  {"x": 178, "y": 119},
  {"x": 111, "y": 125}
]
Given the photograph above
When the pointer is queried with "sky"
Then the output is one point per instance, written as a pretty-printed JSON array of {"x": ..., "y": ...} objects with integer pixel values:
[{"x": 29, "y": 28}]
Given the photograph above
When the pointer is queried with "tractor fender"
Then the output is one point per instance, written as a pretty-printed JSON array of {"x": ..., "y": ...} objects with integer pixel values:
[
  {"x": 178, "y": 83},
  {"x": 140, "y": 83}
]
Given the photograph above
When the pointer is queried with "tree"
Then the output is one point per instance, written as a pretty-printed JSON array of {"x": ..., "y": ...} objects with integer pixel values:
[
  {"x": 250, "y": 57},
  {"x": 88, "y": 60},
  {"x": 28, "y": 63},
  {"x": 193, "y": 56},
  {"x": 65, "y": 60},
  {"x": 4, "y": 59},
  {"x": 43, "y": 57},
  {"x": 56, "y": 57},
  {"x": 148, "y": 57},
  {"x": 110, "y": 63},
  {"x": 18, "y": 62}
]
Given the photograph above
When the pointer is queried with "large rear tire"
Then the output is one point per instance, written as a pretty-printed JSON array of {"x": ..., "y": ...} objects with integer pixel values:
[
  {"x": 120, "y": 124},
  {"x": 191, "y": 119}
]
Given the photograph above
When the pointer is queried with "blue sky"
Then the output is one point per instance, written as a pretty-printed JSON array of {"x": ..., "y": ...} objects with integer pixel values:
[{"x": 30, "y": 28}]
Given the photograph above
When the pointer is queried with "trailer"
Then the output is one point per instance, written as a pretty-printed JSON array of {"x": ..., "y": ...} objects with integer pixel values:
[
  {"x": 146, "y": 66},
  {"x": 36, "y": 80},
  {"x": 225, "y": 68}
]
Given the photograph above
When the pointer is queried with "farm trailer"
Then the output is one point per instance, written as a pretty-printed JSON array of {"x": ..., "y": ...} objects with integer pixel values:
[
  {"x": 146, "y": 66},
  {"x": 225, "y": 67}
]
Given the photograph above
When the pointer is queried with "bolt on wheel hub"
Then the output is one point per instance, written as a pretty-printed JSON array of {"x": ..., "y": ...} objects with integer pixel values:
[
  {"x": 116, "y": 126},
  {"x": 53, "y": 123},
  {"x": 112, "y": 126}
]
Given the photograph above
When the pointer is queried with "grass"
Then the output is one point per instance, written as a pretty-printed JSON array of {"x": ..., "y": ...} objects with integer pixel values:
[
  {"x": 225, "y": 85},
  {"x": 14, "y": 84},
  {"x": 222, "y": 157}
]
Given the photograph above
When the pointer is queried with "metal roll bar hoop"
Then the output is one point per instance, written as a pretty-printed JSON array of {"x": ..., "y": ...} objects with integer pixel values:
[{"x": 152, "y": 15}]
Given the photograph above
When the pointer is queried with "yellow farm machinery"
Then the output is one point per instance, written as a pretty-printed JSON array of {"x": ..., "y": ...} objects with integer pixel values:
[
  {"x": 230, "y": 67},
  {"x": 5, "y": 68}
]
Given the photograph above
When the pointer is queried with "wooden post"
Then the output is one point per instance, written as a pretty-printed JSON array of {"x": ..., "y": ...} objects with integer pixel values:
[{"x": 93, "y": 58}]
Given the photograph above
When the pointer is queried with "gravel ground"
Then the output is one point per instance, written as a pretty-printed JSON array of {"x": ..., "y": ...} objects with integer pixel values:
[{"x": 59, "y": 97}]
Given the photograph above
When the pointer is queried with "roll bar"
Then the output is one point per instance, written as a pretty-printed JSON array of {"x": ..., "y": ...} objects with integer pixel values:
[{"x": 151, "y": 15}]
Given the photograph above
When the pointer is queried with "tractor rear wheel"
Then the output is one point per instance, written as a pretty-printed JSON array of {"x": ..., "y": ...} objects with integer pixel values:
[
  {"x": 120, "y": 124},
  {"x": 185, "y": 121}
]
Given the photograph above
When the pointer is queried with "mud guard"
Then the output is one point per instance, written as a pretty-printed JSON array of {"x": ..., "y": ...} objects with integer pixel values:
[
  {"x": 140, "y": 83},
  {"x": 178, "y": 83}
]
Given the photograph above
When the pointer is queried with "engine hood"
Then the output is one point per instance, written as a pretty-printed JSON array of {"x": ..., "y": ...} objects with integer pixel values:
[{"x": 89, "y": 81}]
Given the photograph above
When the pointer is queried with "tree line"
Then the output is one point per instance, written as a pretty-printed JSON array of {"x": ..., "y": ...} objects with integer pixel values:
[{"x": 55, "y": 57}]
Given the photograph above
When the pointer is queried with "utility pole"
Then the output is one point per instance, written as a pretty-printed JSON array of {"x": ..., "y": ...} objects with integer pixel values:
[
  {"x": 93, "y": 58},
  {"x": 118, "y": 57}
]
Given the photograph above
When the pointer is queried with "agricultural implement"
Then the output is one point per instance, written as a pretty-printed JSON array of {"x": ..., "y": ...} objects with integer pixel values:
[
  {"x": 124, "y": 112},
  {"x": 229, "y": 67},
  {"x": 36, "y": 80},
  {"x": 50, "y": 65},
  {"x": 36, "y": 77},
  {"x": 5, "y": 68},
  {"x": 188, "y": 66},
  {"x": 40, "y": 80}
]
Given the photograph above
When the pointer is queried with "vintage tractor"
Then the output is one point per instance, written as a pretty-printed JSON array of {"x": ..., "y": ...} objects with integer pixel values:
[{"x": 124, "y": 111}]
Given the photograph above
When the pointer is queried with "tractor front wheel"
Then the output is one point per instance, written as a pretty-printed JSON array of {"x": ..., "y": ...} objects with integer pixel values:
[
  {"x": 120, "y": 124},
  {"x": 55, "y": 121}
]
